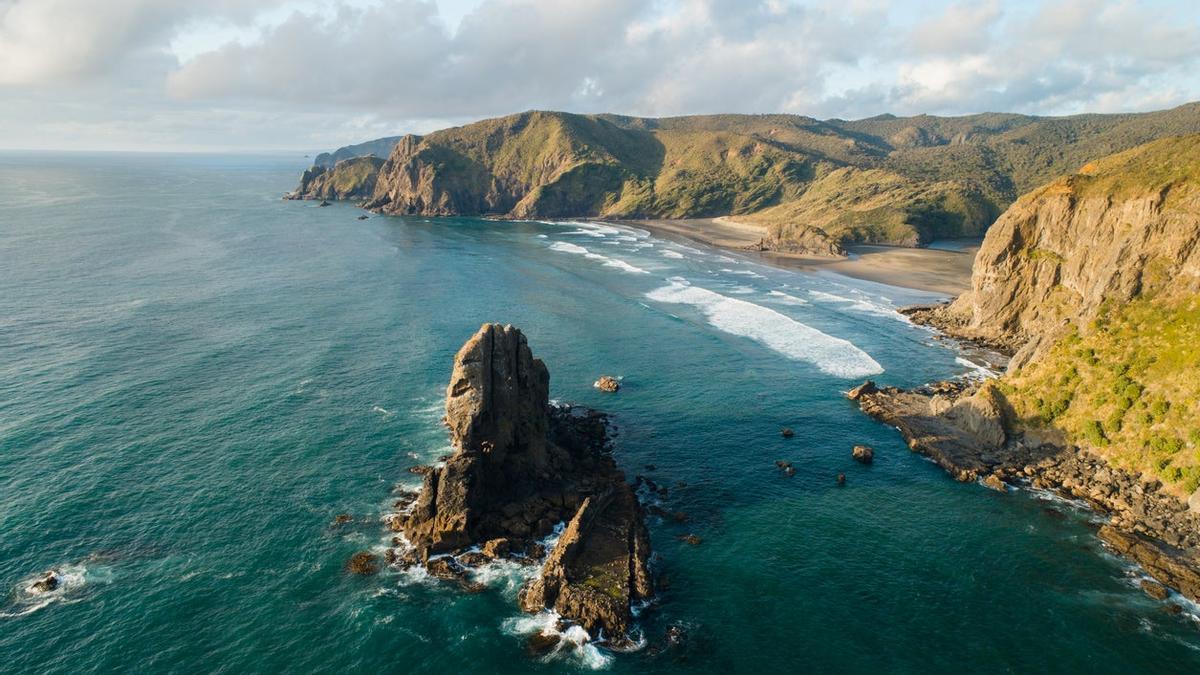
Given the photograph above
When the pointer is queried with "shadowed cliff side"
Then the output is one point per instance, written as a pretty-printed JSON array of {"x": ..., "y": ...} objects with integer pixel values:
[{"x": 520, "y": 468}]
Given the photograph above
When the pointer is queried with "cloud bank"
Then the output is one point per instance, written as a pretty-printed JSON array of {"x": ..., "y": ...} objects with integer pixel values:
[{"x": 305, "y": 73}]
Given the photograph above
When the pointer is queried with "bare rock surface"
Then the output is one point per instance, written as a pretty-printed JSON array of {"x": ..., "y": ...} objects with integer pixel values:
[{"x": 519, "y": 468}]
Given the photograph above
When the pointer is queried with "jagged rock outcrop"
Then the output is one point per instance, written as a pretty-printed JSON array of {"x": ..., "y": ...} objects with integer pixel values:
[
  {"x": 518, "y": 469},
  {"x": 349, "y": 179},
  {"x": 792, "y": 237}
]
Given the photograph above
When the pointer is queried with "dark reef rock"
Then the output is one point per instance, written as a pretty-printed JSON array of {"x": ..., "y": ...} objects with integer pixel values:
[
  {"x": 364, "y": 563},
  {"x": 49, "y": 582},
  {"x": 519, "y": 468},
  {"x": 787, "y": 432}
]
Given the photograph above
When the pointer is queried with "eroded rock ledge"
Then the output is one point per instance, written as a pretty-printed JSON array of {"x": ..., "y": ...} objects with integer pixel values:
[
  {"x": 964, "y": 428},
  {"x": 519, "y": 468}
]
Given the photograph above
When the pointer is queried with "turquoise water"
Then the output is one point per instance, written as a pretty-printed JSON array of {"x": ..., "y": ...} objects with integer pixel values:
[{"x": 196, "y": 377}]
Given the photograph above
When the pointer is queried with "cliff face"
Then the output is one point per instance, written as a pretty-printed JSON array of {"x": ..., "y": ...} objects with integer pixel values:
[
  {"x": 348, "y": 179},
  {"x": 892, "y": 180},
  {"x": 518, "y": 469},
  {"x": 1093, "y": 280},
  {"x": 1124, "y": 227}
]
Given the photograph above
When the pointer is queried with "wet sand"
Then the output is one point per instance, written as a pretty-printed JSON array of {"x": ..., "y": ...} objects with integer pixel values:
[{"x": 935, "y": 270}]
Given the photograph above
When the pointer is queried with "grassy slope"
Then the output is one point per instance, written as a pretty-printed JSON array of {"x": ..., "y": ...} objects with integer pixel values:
[
  {"x": 937, "y": 176},
  {"x": 1129, "y": 384},
  {"x": 877, "y": 205}
]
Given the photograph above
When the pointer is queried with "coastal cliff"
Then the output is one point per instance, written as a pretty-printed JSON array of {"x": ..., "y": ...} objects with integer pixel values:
[
  {"x": 519, "y": 469},
  {"x": 814, "y": 185},
  {"x": 348, "y": 179},
  {"x": 1092, "y": 282}
]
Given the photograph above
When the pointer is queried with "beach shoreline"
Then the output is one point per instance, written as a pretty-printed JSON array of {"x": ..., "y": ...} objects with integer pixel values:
[{"x": 935, "y": 270}]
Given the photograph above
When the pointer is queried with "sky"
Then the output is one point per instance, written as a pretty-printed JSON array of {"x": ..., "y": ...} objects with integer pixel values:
[{"x": 251, "y": 75}]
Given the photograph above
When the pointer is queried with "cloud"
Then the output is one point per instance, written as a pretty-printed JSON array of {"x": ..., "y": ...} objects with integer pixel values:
[
  {"x": 112, "y": 67},
  {"x": 1065, "y": 56}
]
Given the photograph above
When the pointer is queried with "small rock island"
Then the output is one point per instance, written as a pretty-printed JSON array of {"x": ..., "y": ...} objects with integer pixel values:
[{"x": 520, "y": 468}]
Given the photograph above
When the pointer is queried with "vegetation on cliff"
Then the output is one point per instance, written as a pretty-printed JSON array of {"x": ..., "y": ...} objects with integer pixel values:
[
  {"x": 352, "y": 178},
  {"x": 1096, "y": 276},
  {"x": 1128, "y": 386},
  {"x": 884, "y": 179}
]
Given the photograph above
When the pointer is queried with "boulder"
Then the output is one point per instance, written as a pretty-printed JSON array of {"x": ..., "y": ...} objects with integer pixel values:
[
  {"x": 496, "y": 548},
  {"x": 867, "y": 387},
  {"x": 994, "y": 482},
  {"x": 863, "y": 454},
  {"x": 787, "y": 432},
  {"x": 607, "y": 383}
]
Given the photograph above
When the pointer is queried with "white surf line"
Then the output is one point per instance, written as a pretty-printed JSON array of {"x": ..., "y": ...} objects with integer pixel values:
[
  {"x": 795, "y": 340},
  {"x": 567, "y": 247}
]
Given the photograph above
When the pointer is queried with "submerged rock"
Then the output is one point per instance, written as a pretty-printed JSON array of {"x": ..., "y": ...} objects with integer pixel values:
[
  {"x": 1154, "y": 589},
  {"x": 540, "y": 644},
  {"x": 364, "y": 563},
  {"x": 787, "y": 432},
  {"x": 49, "y": 582},
  {"x": 519, "y": 467}
]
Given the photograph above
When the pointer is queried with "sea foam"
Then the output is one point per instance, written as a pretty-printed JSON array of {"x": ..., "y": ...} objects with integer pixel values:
[
  {"x": 567, "y": 247},
  {"x": 835, "y": 356}
]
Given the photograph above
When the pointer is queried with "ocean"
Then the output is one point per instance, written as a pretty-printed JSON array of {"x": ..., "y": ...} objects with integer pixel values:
[{"x": 196, "y": 377}]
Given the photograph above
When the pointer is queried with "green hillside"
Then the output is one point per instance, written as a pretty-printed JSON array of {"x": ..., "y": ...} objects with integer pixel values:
[{"x": 884, "y": 179}]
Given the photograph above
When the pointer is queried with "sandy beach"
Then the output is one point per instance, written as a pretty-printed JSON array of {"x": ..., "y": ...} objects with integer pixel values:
[{"x": 926, "y": 269}]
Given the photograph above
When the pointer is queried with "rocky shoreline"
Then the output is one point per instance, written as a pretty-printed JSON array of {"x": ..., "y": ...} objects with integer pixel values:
[
  {"x": 964, "y": 428},
  {"x": 521, "y": 472}
]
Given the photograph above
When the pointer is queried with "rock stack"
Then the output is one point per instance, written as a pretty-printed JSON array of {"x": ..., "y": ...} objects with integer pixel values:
[{"x": 518, "y": 469}]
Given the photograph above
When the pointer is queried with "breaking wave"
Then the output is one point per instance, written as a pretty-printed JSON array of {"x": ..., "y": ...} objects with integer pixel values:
[
  {"x": 566, "y": 247},
  {"x": 835, "y": 356},
  {"x": 859, "y": 304}
]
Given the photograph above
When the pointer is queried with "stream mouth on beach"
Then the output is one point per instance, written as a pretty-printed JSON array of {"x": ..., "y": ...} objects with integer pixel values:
[{"x": 193, "y": 386}]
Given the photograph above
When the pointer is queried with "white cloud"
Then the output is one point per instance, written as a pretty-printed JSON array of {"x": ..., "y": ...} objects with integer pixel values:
[{"x": 80, "y": 70}]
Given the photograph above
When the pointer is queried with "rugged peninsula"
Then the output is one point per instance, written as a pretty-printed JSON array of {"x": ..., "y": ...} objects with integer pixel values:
[
  {"x": 813, "y": 186},
  {"x": 1092, "y": 283},
  {"x": 521, "y": 468}
]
